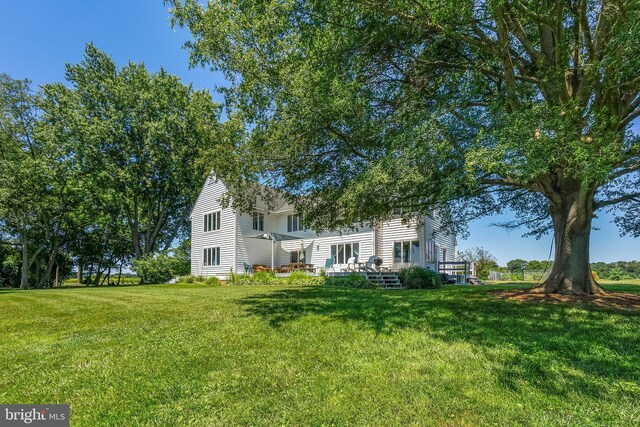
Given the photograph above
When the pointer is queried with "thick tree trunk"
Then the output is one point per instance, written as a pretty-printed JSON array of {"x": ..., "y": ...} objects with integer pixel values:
[{"x": 572, "y": 214}]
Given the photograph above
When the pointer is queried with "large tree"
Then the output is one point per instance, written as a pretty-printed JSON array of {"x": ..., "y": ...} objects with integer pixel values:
[
  {"x": 138, "y": 135},
  {"x": 357, "y": 107},
  {"x": 38, "y": 183}
]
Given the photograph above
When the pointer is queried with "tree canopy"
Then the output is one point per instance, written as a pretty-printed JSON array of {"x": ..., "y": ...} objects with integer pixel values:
[
  {"x": 470, "y": 108},
  {"x": 102, "y": 170}
]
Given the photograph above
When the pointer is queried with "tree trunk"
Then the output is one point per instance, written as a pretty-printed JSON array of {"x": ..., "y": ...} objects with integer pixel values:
[
  {"x": 572, "y": 213},
  {"x": 120, "y": 271},
  {"x": 80, "y": 272},
  {"x": 24, "y": 277},
  {"x": 47, "y": 276}
]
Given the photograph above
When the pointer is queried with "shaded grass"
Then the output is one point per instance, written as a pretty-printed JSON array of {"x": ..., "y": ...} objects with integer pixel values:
[{"x": 264, "y": 355}]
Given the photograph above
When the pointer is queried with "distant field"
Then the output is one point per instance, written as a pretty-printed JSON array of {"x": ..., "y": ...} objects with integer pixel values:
[{"x": 173, "y": 355}]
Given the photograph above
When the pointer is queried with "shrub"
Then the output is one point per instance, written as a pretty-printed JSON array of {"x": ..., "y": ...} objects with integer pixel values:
[
  {"x": 263, "y": 278},
  {"x": 186, "y": 279},
  {"x": 298, "y": 278},
  {"x": 420, "y": 278},
  {"x": 239, "y": 279},
  {"x": 214, "y": 281},
  {"x": 155, "y": 269},
  {"x": 351, "y": 281}
]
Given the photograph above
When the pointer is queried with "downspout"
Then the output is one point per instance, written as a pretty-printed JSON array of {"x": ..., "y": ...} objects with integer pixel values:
[
  {"x": 375, "y": 243},
  {"x": 235, "y": 240}
]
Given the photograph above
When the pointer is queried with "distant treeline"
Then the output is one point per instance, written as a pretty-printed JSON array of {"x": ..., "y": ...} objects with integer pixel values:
[{"x": 617, "y": 270}]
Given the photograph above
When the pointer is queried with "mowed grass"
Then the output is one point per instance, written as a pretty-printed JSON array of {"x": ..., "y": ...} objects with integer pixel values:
[{"x": 176, "y": 355}]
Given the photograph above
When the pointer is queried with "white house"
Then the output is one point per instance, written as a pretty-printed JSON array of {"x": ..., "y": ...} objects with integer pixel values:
[{"x": 224, "y": 240}]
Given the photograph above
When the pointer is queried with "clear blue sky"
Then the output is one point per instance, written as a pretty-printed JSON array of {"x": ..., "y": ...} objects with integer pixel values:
[{"x": 38, "y": 37}]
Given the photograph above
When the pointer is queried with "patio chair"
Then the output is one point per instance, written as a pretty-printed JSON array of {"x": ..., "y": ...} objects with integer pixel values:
[
  {"x": 247, "y": 268},
  {"x": 369, "y": 265},
  {"x": 328, "y": 264},
  {"x": 351, "y": 265}
]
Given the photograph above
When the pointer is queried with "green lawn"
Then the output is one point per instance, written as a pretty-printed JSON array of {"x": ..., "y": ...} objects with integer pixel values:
[{"x": 192, "y": 355}]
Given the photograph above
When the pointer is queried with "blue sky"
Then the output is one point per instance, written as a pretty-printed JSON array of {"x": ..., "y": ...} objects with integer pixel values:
[{"x": 38, "y": 37}]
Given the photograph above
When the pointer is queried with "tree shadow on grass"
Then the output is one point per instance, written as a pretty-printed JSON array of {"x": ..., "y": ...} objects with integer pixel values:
[{"x": 557, "y": 347}]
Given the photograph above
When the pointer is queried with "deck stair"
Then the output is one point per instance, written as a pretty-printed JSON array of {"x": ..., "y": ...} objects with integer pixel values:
[{"x": 386, "y": 280}]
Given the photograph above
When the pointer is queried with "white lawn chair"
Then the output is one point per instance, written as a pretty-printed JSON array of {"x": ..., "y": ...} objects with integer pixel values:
[{"x": 351, "y": 265}]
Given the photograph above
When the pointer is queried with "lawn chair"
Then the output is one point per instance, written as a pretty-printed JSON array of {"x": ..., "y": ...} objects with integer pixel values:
[
  {"x": 328, "y": 264},
  {"x": 369, "y": 265},
  {"x": 247, "y": 268},
  {"x": 350, "y": 262}
]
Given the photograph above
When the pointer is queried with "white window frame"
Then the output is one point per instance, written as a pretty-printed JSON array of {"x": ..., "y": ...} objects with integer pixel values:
[
  {"x": 295, "y": 223},
  {"x": 431, "y": 252},
  {"x": 258, "y": 221},
  {"x": 212, "y": 221},
  {"x": 404, "y": 259},
  {"x": 211, "y": 256},
  {"x": 346, "y": 254}
]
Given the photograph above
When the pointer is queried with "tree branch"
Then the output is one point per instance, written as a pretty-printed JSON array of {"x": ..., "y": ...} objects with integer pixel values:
[{"x": 616, "y": 200}]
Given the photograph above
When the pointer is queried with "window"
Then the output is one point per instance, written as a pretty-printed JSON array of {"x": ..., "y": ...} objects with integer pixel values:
[
  {"x": 294, "y": 223},
  {"x": 212, "y": 221},
  {"x": 296, "y": 257},
  {"x": 396, "y": 211},
  {"x": 406, "y": 252},
  {"x": 258, "y": 221},
  {"x": 211, "y": 257},
  {"x": 431, "y": 254},
  {"x": 342, "y": 252}
]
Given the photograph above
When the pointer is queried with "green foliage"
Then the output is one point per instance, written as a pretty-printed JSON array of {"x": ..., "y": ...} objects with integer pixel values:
[
  {"x": 355, "y": 281},
  {"x": 182, "y": 254},
  {"x": 101, "y": 170},
  {"x": 155, "y": 269},
  {"x": 517, "y": 264},
  {"x": 420, "y": 278},
  {"x": 298, "y": 277},
  {"x": 143, "y": 153},
  {"x": 212, "y": 281},
  {"x": 9, "y": 266},
  {"x": 262, "y": 278},
  {"x": 268, "y": 278},
  {"x": 539, "y": 265},
  {"x": 617, "y": 270},
  {"x": 239, "y": 279},
  {"x": 483, "y": 259}
]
